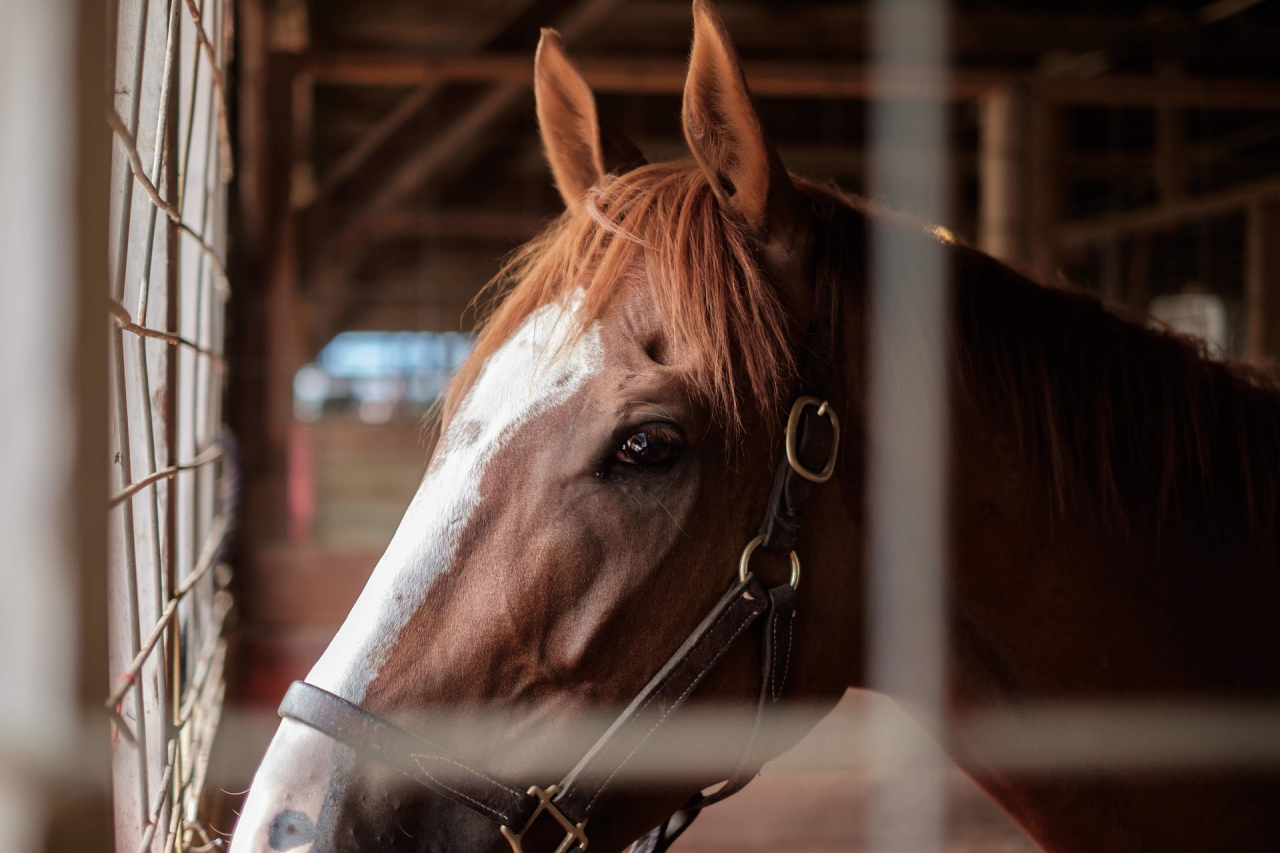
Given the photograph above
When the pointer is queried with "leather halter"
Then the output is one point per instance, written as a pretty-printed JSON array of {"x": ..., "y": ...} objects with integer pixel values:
[{"x": 812, "y": 444}]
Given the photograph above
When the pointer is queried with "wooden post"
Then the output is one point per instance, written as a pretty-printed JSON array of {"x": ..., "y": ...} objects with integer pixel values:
[
  {"x": 252, "y": 112},
  {"x": 1109, "y": 274},
  {"x": 1171, "y": 142},
  {"x": 302, "y": 187},
  {"x": 1002, "y": 174},
  {"x": 1138, "y": 286},
  {"x": 1254, "y": 279},
  {"x": 283, "y": 360},
  {"x": 1045, "y": 185},
  {"x": 1270, "y": 307},
  {"x": 1262, "y": 282}
]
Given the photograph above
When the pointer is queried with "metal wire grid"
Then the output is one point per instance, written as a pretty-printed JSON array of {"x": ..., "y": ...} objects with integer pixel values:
[{"x": 171, "y": 160}]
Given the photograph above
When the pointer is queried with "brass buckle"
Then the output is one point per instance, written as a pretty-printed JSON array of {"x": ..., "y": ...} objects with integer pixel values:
[
  {"x": 576, "y": 832},
  {"x": 745, "y": 560},
  {"x": 793, "y": 424}
]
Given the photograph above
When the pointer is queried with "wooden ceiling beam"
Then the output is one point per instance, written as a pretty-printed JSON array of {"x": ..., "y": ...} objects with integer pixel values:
[
  {"x": 784, "y": 79},
  {"x": 1182, "y": 211},
  {"x": 608, "y": 74},
  {"x": 410, "y": 105},
  {"x": 424, "y": 164},
  {"x": 455, "y": 224}
]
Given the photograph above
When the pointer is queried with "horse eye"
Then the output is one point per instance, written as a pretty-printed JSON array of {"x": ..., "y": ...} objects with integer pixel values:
[{"x": 648, "y": 448}]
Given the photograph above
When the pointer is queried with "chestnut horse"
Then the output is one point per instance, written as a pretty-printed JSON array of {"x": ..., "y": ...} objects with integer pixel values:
[{"x": 609, "y": 448}]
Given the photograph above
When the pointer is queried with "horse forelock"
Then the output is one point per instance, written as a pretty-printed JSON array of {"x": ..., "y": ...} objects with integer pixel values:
[{"x": 658, "y": 227}]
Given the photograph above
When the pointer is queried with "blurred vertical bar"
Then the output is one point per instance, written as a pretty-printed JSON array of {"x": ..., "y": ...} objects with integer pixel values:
[
  {"x": 53, "y": 216},
  {"x": 1001, "y": 173},
  {"x": 908, "y": 407}
]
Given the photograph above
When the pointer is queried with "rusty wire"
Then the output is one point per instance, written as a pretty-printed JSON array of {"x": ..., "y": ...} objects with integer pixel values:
[
  {"x": 122, "y": 319},
  {"x": 209, "y": 454},
  {"x": 219, "y": 83},
  {"x": 186, "y": 676},
  {"x": 130, "y": 145},
  {"x": 129, "y": 678}
]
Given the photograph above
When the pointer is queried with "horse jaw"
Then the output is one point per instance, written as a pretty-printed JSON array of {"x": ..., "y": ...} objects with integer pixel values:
[{"x": 539, "y": 367}]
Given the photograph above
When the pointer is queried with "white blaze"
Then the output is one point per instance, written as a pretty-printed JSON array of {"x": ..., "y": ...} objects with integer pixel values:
[{"x": 533, "y": 371}]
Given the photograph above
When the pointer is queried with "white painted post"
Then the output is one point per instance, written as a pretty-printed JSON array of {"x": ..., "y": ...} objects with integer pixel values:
[{"x": 908, "y": 411}]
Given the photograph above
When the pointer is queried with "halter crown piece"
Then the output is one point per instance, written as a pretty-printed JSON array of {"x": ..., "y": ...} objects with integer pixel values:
[{"x": 812, "y": 440}]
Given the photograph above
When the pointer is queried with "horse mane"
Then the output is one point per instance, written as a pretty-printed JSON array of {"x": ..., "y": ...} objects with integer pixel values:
[{"x": 1133, "y": 424}]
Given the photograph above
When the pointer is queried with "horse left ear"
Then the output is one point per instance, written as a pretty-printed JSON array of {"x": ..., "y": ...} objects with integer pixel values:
[
  {"x": 724, "y": 132},
  {"x": 580, "y": 149}
]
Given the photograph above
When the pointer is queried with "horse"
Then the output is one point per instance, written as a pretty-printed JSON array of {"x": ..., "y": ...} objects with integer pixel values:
[{"x": 610, "y": 446}]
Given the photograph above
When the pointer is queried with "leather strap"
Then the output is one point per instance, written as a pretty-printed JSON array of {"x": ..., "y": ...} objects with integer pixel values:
[
  {"x": 775, "y": 667},
  {"x": 452, "y": 777},
  {"x": 791, "y": 492},
  {"x": 583, "y": 788},
  {"x": 416, "y": 757},
  {"x": 665, "y": 834}
]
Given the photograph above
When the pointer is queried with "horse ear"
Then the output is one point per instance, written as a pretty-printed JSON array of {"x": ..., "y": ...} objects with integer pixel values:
[
  {"x": 724, "y": 131},
  {"x": 579, "y": 149}
]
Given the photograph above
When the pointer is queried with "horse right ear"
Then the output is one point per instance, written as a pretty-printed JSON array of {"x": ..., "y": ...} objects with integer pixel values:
[
  {"x": 579, "y": 149},
  {"x": 745, "y": 172}
]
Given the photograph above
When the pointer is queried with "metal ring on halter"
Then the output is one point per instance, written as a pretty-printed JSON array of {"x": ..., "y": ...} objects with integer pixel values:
[
  {"x": 793, "y": 425},
  {"x": 745, "y": 560}
]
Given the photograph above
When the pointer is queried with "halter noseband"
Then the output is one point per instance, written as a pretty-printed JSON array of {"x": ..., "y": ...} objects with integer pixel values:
[{"x": 812, "y": 439}]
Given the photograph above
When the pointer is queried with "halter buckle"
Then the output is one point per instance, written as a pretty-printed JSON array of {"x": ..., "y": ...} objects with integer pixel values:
[
  {"x": 576, "y": 832},
  {"x": 793, "y": 430}
]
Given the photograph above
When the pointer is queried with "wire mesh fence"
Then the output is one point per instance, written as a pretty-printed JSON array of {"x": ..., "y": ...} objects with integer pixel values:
[{"x": 170, "y": 495}]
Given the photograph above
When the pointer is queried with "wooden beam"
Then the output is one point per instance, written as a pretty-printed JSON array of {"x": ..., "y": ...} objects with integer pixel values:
[
  {"x": 782, "y": 79},
  {"x": 458, "y": 137},
  {"x": 1045, "y": 181},
  {"x": 1171, "y": 142},
  {"x": 1190, "y": 93},
  {"x": 302, "y": 173},
  {"x": 1088, "y": 232},
  {"x": 1255, "y": 279},
  {"x": 411, "y": 105},
  {"x": 654, "y": 75},
  {"x": 427, "y": 161},
  {"x": 456, "y": 224}
]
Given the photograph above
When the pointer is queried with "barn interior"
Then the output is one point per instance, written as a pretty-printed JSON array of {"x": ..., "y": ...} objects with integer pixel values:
[{"x": 388, "y": 159}]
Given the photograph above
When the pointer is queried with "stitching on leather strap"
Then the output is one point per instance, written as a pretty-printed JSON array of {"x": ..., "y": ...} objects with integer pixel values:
[
  {"x": 469, "y": 769},
  {"x": 484, "y": 807},
  {"x": 773, "y": 669},
  {"x": 583, "y": 774},
  {"x": 745, "y": 622},
  {"x": 786, "y": 667}
]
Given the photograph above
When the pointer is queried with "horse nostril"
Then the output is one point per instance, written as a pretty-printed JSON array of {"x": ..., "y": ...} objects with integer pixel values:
[{"x": 290, "y": 829}]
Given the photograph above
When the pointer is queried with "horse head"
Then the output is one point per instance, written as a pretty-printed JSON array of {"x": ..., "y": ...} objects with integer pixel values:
[{"x": 603, "y": 459}]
